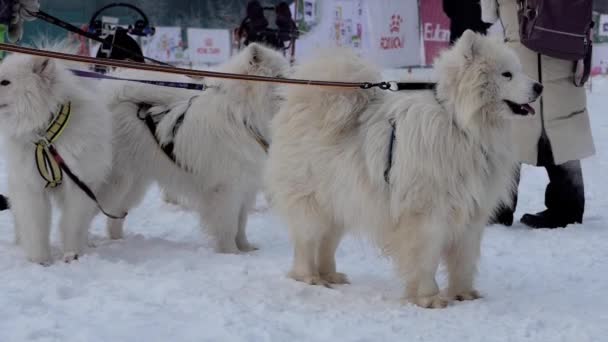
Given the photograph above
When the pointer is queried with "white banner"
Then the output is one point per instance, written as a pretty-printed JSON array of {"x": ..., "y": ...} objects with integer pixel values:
[
  {"x": 165, "y": 45},
  {"x": 208, "y": 46},
  {"x": 603, "y": 28},
  {"x": 393, "y": 35},
  {"x": 384, "y": 31},
  {"x": 347, "y": 23}
]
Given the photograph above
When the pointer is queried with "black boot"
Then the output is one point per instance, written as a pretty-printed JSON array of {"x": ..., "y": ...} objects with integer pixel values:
[
  {"x": 4, "y": 203},
  {"x": 564, "y": 198},
  {"x": 549, "y": 219}
]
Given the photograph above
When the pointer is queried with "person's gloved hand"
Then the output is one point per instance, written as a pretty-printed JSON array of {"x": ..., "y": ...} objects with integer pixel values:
[{"x": 21, "y": 9}]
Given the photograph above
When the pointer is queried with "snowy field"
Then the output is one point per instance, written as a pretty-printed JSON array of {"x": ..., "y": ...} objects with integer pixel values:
[{"x": 164, "y": 283}]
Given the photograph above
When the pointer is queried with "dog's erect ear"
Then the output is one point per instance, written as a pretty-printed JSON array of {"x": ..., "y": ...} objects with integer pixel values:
[
  {"x": 43, "y": 67},
  {"x": 468, "y": 44},
  {"x": 254, "y": 53}
]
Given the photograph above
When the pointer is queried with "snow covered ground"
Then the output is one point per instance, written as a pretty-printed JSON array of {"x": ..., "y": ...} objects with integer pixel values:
[{"x": 164, "y": 283}]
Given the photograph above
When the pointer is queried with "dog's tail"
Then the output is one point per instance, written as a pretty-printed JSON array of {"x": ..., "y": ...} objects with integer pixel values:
[{"x": 338, "y": 109}]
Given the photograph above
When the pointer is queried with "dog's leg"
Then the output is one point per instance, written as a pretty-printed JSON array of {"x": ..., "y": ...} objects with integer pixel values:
[
  {"x": 220, "y": 211},
  {"x": 77, "y": 214},
  {"x": 306, "y": 228},
  {"x": 32, "y": 212},
  {"x": 241, "y": 236},
  {"x": 461, "y": 259},
  {"x": 327, "y": 256},
  {"x": 118, "y": 197},
  {"x": 17, "y": 234},
  {"x": 416, "y": 247}
]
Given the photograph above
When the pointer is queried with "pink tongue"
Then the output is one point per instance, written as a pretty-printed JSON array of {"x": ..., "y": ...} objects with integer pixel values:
[{"x": 529, "y": 109}]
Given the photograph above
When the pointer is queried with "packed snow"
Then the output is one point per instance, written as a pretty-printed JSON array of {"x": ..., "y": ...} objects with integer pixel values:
[{"x": 163, "y": 282}]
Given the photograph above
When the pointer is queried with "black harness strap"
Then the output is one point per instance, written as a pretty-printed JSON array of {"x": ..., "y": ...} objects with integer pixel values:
[
  {"x": 391, "y": 147},
  {"x": 148, "y": 119},
  {"x": 391, "y": 143},
  {"x": 79, "y": 182}
]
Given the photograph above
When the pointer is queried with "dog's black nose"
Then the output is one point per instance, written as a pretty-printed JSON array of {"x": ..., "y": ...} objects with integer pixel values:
[{"x": 538, "y": 88}]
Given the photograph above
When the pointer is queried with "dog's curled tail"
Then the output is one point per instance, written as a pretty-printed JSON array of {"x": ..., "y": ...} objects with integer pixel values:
[{"x": 338, "y": 108}]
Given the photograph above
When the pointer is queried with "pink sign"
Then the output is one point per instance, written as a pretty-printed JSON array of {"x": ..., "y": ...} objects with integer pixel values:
[{"x": 435, "y": 29}]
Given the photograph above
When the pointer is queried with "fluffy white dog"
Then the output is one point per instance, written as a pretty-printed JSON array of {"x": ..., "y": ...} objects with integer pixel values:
[
  {"x": 217, "y": 140},
  {"x": 449, "y": 167},
  {"x": 32, "y": 91}
]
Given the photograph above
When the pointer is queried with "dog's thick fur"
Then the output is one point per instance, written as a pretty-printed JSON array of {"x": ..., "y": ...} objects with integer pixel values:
[
  {"x": 220, "y": 161},
  {"x": 28, "y": 102},
  {"x": 452, "y": 165}
]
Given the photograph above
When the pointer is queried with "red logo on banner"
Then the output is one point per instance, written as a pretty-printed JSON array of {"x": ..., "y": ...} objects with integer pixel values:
[
  {"x": 396, "y": 21},
  {"x": 393, "y": 40},
  {"x": 435, "y": 29},
  {"x": 209, "y": 48}
]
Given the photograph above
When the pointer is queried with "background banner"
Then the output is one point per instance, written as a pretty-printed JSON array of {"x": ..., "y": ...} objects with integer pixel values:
[
  {"x": 208, "y": 46},
  {"x": 435, "y": 26}
]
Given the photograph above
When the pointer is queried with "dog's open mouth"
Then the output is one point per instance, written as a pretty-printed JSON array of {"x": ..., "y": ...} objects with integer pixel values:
[{"x": 520, "y": 109}]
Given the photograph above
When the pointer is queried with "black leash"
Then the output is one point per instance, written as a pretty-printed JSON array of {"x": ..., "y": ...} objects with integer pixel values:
[
  {"x": 79, "y": 182},
  {"x": 399, "y": 86},
  {"x": 67, "y": 26},
  {"x": 181, "y": 85}
]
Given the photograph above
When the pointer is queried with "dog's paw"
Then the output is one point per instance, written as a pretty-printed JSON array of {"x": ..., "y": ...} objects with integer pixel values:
[
  {"x": 43, "y": 259},
  {"x": 70, "y": 257},
  {"x": 310, "y": 279},
  {"x": 335, "y": 278},
  {"x": 227, "y": 249},
  {"x": 465, "y": 295},
  {"x": 431, "y": 302},
  {"x": 247, "y": 247}
]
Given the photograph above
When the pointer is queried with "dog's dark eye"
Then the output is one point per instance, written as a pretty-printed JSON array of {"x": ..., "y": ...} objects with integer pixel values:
[
  {"x": 5, "y": 82},
  {"x": 507, "y": 75}
]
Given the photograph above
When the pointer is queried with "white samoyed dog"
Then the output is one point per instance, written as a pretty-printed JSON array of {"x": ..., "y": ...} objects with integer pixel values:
[
  {"x": 331, "y": 168},
  {"x": 32, "y": 91},
  {"x": 206, "y": 147}
]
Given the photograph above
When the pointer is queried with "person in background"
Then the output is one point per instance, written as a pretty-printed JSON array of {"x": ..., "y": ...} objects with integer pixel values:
[
  {"x": 14, "y": 13},
  {"x": 255, "y": 23},
  {"x": 121, "y": 38},
  {"x": 464, "y": 15},
  {"x": 557, "y": 137},
  {"x": 286, "y": 26}
]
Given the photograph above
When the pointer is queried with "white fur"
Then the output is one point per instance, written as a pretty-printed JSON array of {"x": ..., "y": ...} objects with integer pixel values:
[
  {"x": 38, "y": 87},
  {"x": 452, "y": 165},
  {"x": 221, "y": 161}
]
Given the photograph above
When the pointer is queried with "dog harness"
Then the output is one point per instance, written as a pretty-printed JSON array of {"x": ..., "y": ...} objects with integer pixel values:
[
  {"x": 152, "y": 120},
  {"x": 51, "y": 165},
  {"x": 48, "y": 167}
]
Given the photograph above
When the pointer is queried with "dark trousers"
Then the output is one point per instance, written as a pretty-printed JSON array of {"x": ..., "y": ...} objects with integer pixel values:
[{"x": 565, "y": 193}]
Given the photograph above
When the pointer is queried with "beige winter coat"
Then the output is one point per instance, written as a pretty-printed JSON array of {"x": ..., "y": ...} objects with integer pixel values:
[{"x": 565, "y": 116}]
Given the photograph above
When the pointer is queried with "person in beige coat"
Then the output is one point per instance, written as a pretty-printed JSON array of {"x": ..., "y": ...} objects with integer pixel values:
[{"x": 560, "y": 135}]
